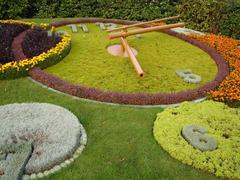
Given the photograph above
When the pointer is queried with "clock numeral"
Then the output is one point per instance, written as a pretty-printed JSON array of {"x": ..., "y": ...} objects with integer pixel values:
[
  {"x": 13, "y": 159},
  {"x": 197, "y": 137}
]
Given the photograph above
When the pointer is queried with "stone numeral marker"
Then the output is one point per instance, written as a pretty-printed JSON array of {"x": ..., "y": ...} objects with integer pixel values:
[
  {"x": 13, "y": 159},
  {"x": 197, "y": 137}
]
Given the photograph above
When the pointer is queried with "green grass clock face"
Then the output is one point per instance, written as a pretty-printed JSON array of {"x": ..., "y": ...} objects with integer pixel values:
[{"x": 160, "y": 55}]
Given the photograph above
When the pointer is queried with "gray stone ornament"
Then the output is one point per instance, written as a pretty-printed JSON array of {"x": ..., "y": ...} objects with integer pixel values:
[
  {"x": 84, "y": 28},
  {"x": 101, "y": 25},
  {"x": 73, "y": 28},
  {"x": 62, "y": 33},
  {"x": 50, "y": 33},
  {"x": 138, "y": 36},
  {"x": 196, "y": 136},
  {"x": 188, "y": 76},
  {"x": 192, "y": 78},
  {"x": 110, "y": 26},
  {"x": 13, "y": 160},
  {"x": 182, "y": 73}
]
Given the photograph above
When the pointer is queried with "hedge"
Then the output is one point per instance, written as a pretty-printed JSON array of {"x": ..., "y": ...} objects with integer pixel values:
[
  {"x": 204, "y": 15},
  {"x": 120, "y": 9},
  {"x": 218, "y": 17}
]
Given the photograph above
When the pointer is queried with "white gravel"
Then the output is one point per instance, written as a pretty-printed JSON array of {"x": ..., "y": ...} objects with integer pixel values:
[{"x": 56, "y": 132}]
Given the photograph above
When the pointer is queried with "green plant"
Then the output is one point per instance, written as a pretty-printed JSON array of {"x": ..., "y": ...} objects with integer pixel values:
[
  {"x": 123, "y": 9},
  {"x": 203, "y": 15},
  {"x": 230, "y": 22},
  {"x": 47, "y": 8},
  {"x": 223, "y": 125},
  {"x": 12, "y": 9}
]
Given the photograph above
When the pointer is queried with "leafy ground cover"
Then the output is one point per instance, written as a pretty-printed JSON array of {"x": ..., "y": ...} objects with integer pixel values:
[
  {"x": 120, "y": 141},
  {"x": 222, "y": 123},
  {"x": 160, "y": 55}
]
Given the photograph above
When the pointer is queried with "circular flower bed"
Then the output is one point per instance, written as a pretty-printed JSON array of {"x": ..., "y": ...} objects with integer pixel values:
[
  {"x": 133, "y": 98},
  {"x": 52, "y": 56},
  {"x": 54, "y": 132},
  {"x": 222, "y": 124}
]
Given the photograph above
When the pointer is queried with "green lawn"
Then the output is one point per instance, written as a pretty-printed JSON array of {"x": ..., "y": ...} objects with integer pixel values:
[
  {"x": 120, "y": 140},
  {"x": 159, "y": 54}
]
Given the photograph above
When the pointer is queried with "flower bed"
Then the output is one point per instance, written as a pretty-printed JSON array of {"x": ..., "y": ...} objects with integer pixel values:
[
  {"x": 52, "y": 56},
  {"x": 134, "y": 98},
  {"x": 60, "y": 48},
  {"x": 228, "y": 90},
  {"x": 222, "y": 124},
  {"x": 54, "y": 132}
]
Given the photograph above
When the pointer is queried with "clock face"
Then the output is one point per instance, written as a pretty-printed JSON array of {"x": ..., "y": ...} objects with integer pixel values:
[{"x": 160, "y": 55}]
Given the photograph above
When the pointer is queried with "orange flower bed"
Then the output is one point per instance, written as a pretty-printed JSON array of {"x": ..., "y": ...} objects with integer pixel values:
[{"x": 229, "y": 89}]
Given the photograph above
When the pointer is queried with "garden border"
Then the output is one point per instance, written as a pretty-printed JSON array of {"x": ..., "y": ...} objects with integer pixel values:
[{"x": 134, "y": 98}]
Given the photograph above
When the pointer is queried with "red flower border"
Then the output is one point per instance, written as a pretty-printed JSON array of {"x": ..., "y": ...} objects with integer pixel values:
[{"x": 134, "y": 98}]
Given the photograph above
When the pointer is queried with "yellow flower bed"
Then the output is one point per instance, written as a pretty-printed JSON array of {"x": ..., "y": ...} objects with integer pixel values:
[
  {"x": 19, "y": 68},
  {"x": 30, "y": 63},
  {"x": 11, "y": 21}
]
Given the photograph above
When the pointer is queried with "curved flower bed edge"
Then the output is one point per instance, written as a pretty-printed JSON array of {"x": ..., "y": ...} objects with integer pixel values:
[
  {"x": 134, "y": 98},
  {"x": 20, "y": 68}
]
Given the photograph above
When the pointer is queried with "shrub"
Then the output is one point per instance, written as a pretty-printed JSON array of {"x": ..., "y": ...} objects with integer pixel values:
[
  {"x": 129, "y": 9},
  {"x": 212, "y": 16},
  {"x": 12, "y": 9},
  {"x": 46, "y": 8},
  {"x": 37, "y": 41},
  {"x": 202, "y": 15},
  {"x": 230, "y": 23},
  {"x": 223, "y": 125},
  {"x": 135, "y": 10}
]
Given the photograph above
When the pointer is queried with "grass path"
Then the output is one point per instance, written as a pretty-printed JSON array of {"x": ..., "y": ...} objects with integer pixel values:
[{"x": 120, "y": 141}]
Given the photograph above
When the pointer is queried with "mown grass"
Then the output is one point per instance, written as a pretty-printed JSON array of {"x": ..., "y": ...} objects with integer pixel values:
[
  {"x": 160, "y": 55},
  {"x": 120, "y": 140}
]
